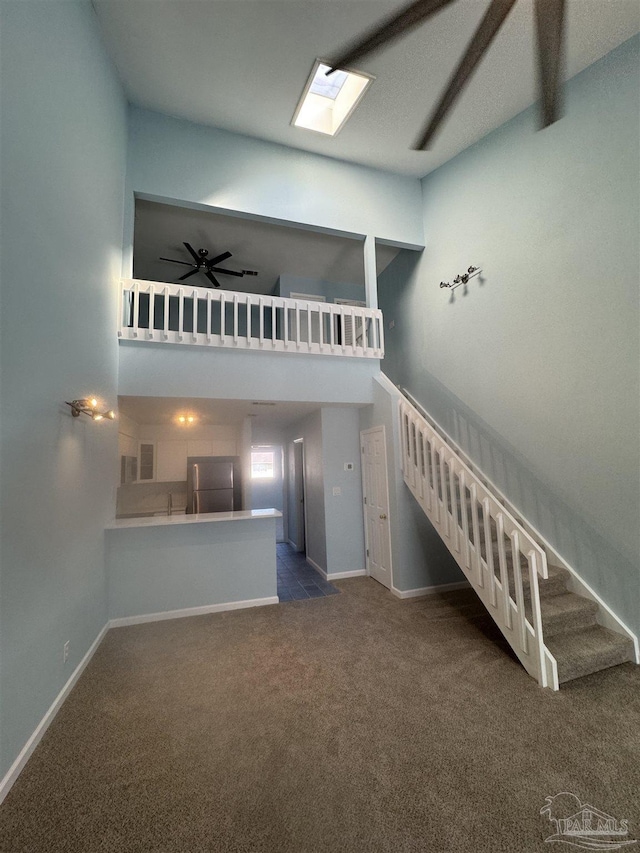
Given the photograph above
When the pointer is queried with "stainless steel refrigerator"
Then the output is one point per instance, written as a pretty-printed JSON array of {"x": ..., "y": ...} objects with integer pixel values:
[{"x": 213, "y": 484}]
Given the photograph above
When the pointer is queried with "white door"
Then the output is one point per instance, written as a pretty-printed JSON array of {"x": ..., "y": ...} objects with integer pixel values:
[
  {"x": 376, "y": 504},
  {"x": 299, "y": 518},
  {"x": 350, "y": 327}
]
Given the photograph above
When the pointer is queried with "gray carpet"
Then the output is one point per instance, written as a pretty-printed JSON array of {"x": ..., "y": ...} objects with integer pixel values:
[{"x": 349, "y": 723}]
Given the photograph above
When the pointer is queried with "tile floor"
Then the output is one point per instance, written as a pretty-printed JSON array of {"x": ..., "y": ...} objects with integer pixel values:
[{"x": 297, "y": 579}]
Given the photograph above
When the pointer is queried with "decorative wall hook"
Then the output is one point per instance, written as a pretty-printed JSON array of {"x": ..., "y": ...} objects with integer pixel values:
[
  {"x": 89, "y": 407},
  {"x": 462, "y": 278}
]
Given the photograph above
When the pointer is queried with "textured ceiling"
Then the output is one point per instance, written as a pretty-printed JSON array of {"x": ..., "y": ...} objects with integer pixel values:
[
  {"x": 272, "y": 250},
  {"x": 242, "y": 64}
]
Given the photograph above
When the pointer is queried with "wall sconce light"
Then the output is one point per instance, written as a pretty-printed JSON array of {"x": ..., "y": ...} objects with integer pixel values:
[
  {"x": 89, "y": 407},
  {"x": 186, "y": 420},
  {"x": 463, "y": 278}
]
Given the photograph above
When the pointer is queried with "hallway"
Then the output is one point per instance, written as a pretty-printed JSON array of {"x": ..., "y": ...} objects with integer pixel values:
[{"x": 297, "y": 580}]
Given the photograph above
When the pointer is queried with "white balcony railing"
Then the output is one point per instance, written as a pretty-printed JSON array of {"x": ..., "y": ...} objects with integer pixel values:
[{"x": 171, "y": 313}]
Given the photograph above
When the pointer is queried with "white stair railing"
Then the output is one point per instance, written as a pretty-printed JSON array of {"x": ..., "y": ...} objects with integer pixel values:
[
  {"x": 178, "y": 314},
  {"x": 500, "y": 559}
]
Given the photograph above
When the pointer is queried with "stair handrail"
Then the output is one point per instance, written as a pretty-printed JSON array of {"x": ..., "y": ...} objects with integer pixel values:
[
  {"x": 444, "y": 502},
  {"x": 487, "y": 481}
]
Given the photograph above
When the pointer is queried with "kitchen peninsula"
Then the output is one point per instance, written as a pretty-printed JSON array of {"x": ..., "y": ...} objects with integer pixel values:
[{"x": 164, "y": 567}]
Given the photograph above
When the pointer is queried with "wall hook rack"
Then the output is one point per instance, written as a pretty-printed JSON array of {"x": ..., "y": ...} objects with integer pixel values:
[{"x": 462, "y": 278}]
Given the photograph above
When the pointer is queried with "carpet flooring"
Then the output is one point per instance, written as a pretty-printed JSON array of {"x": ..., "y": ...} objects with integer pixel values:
[{"x": 354, "y": 722}]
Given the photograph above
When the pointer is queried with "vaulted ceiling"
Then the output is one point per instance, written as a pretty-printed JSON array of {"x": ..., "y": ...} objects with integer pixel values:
[{"x": 242, "y": 64}]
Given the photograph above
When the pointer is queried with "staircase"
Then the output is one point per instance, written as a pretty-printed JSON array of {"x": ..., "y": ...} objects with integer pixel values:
[{"x": 556, "y": 625}]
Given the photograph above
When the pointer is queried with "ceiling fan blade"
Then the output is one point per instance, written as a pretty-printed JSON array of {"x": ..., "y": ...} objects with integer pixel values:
[
  {"x": 226, "y": 272},
  {"x": 222, "y": 257},
  {"x": 483, "y": 36},
  {"x": 187, "y": 274},
  {"x": 190, "y": 249},
  {"x": 249, "y": 272},
  {"x": 173, "y": 261},
  {"x": 550, "y": 26},
  {"x": 212, "y": 279},
  {"x": 388, "y": 30}
]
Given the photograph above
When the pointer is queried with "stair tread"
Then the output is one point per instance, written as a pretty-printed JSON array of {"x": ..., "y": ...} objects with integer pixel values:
[
  {"x": 588, "y": 650},
  {"x": 566, "y": 602},
  {"x": 557, "y": 578},
  {"x": 579, "y": 644},
  {"x": 566, "y": 612}
]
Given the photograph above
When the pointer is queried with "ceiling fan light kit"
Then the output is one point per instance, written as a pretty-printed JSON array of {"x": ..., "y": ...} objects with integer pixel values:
[{"x": 550, "y": 18}]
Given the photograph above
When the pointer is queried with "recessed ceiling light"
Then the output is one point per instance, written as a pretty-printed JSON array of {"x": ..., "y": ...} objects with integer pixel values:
[{"x": 327, "y": 102}]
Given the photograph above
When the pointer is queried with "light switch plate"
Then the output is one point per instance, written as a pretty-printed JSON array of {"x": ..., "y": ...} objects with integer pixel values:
[
  {"x": 348, "y": 466},
  {"x": 337, "y": 491}
]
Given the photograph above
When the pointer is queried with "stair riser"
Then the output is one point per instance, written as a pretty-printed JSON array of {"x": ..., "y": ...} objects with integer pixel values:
[
  {"x": 595, "y": 665},
  {"x": 551, "y": 627}
]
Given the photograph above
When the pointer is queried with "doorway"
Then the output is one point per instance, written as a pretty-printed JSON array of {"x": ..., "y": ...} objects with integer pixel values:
[
  {"x": 375, "y": 487},
  {"x": 297, "y": 514}
]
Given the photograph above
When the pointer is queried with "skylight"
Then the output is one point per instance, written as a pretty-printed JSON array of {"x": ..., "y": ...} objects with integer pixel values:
[{"x": 328, "y": 101}]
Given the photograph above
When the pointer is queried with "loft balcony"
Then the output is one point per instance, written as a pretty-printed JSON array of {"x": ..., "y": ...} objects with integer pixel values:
[{"x": 155, "y": 312}]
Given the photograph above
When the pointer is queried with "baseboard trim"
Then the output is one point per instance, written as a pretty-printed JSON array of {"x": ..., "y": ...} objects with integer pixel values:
[
  {"x": 25, "y": 753},
  {"x": 338, "y": 576},
  {"x": 315, "y": 566},
  {"x": 123, "y": 621},
  {"x": 429, "y": 590}
]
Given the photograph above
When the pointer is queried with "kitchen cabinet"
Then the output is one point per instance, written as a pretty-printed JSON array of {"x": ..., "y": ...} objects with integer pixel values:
[
  {"x": 171, "y": 461},
  {"x": 146, "y": 461},
  {"x": 127, "y": 445},
  {"x": 216, "y": 447},
  {"x": 223, "y": 447},
  {"x": 199, "y": 448}
]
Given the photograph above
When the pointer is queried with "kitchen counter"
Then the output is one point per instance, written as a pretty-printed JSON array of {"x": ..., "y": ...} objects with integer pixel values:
[
  {"x": 155, "y": 520},
  {"x": 162, "y": 567},
  {"x": 180, "y": 510}
]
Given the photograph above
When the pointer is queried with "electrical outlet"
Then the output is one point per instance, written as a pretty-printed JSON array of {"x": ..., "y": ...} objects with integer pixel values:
[
  {"x": 65, "y": 652},
  {"x": 337, "y": 491}
]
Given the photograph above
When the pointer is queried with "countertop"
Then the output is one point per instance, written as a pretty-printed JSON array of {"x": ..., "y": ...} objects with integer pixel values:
[
  {"x": 202, "y": 518},
  {"x": 149, "y": 513}
]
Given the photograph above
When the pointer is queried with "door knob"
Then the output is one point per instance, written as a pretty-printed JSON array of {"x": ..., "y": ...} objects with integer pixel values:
[{"x": 383, "y": 516}]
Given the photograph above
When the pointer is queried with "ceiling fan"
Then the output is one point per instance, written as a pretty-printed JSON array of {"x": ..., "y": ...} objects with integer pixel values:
[
  {"x": 550, "y": 31},
  {"x": 203, "y": 263}
]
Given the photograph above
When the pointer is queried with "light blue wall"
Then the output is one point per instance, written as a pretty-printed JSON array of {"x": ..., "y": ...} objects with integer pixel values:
[
  {"x": 63, "y": 161},
  {"x": 344, "y": 520},
  {"x": 160, "y": 370},
  {"x": 160, "y": 569},
  {"x": 177, "y": 160},
  {"x": 536, "y": 368},
  {"x": 335, "y": 526},
  {"x": 332, "y": 290}
]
